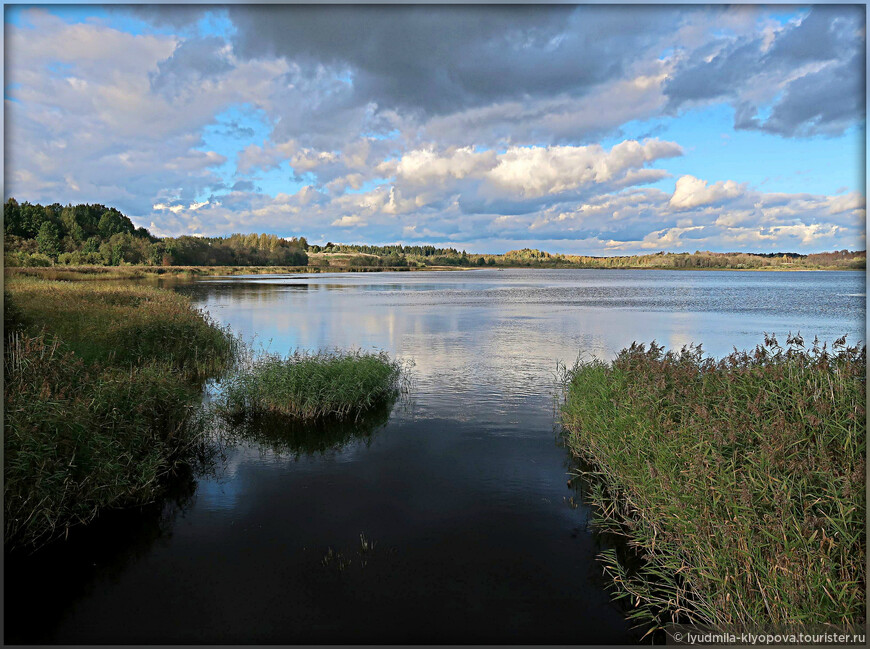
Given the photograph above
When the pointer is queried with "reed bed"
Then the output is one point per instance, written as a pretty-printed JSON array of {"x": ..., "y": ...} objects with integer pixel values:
[
  {"x": 738, "y": 483},
  {"x": 124, "y": 324},
  {"x": 100, "y": 400},
  {"x": 328, "y": 384},
  {"x": 85, "y": 273}
]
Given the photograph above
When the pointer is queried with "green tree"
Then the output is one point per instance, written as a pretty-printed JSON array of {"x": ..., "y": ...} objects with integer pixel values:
[
  {"x": 113, "y": 222},
  {"x": 48, "y": 239},
  {"x": 91, "y": 245},
  {"x": 70, "y": 225},
  {"x": 12, "y": 218}
]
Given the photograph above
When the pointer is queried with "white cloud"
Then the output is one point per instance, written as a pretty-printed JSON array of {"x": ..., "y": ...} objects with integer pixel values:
[
  {"x": 523, "y": 178},
  {"x": 348, "y": 221},
  {"x": 692, "y": 192},
  {"x": 83, "y": 110},
  {"x": 426, "y": 168},
  {"x": 536, "y": 171}
]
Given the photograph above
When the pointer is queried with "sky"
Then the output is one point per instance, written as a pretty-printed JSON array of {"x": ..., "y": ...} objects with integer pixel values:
[{"x": 603, "y": 130}]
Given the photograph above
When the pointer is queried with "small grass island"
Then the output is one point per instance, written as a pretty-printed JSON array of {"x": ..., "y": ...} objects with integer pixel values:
[{"x": 328, "y": 384}]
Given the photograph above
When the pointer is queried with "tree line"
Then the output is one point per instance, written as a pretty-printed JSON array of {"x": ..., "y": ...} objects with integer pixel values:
[
  {"x": 37, "y": 235},
  {"x": 42, "y": 235},
  {"x": 383, "y": 251}
]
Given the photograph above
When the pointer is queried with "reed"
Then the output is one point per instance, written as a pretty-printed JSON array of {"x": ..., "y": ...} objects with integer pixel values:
[
  {"x": 102, "y": 385},
  {"x": 327, "y": 384},
  {"x": 738, "y": 483},
  {"x": 124, "y": 324}
]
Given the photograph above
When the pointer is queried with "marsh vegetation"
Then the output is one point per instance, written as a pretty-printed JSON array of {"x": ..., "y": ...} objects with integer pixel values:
[
  {"x": 327, "y": 384},
  {"x": 101, "y": 387},
  {"x": 123, "y": 324},
  {"x": 738, "y": 482}
]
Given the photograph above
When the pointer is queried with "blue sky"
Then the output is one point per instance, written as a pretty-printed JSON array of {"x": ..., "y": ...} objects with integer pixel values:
[
  {"x": 715, "y": 150},
  {"x": 592, "y": 130}
]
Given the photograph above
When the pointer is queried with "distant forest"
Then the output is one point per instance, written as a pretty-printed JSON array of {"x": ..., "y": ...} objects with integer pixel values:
[{"x": 37, "y": 235}]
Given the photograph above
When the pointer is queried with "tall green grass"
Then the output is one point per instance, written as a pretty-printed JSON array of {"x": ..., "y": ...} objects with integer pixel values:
[
  {"x": 326, "y": 384},
  {"x": 100, "y": 399},
  {"x": 739, "y": 482},
  {"x": 123, "y": 324}
]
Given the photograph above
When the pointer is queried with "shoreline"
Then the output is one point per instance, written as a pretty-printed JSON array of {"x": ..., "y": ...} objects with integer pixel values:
[
  {"x": 686, "y": 458},
  {"x": 143, "y": 272}
]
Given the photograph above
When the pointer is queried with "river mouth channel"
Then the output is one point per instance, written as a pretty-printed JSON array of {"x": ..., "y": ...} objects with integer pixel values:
[{"x": 446, "y": 519}]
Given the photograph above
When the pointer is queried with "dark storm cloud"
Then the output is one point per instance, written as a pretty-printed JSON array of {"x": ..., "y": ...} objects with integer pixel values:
[
  {"x": 826, "y": 98},
  {"x": 175, "y": 16},
  {"x": 826, "y": 102},
  {"x": 826, "y": 33},
  {"x": 431, "y": 62},
  {"x": 721, "y": 75},
  {"x": 445, "y": 58},
  {"x": 191, "y": 62}
]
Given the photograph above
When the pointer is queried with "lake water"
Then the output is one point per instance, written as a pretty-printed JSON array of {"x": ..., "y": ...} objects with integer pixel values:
[{"x": 462, "y": 487}]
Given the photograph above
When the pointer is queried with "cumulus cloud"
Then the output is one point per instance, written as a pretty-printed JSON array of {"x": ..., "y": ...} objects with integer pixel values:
[
  {"x": 449, "y": 124},
  {"x": 520, "y": 179},
  {"x": 87, "y": 122},
  {"x": 693, "y": 192},
  {"x": 628, "y": 220},
  {"x": 538, "y": 171}
]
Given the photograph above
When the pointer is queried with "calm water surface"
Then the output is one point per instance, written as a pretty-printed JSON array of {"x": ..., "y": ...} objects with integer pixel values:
[{"x": 462, "y": 487}]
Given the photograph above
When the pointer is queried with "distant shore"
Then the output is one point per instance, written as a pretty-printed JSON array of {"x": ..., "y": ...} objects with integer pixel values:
[
  {"x": 91, "y": 237},
  {"x": 142, "y": 272}
]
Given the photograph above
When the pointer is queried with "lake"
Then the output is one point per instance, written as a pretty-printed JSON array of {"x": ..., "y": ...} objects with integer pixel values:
[{"x": 448, "y": 519}]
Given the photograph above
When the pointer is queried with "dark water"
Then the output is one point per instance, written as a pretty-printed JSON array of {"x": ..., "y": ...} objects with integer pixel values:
[{"x": 461, "y": 487}]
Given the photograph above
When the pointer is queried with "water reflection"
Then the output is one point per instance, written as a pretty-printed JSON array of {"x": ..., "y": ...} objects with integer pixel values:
[
  {"x": 39, "y": 587},
  {"x": 284, "y": 436},
  {"x": 491, "y": 338}
]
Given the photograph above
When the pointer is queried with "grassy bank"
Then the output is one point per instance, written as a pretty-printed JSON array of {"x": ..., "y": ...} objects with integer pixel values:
[
  {"x": 101, "y": 384},
  {"x": 739, "y": 483},
  {"x": 83, "y": 273},
  {"x": 334, "y": 385},
  {"x": 122, "y": 324}
]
